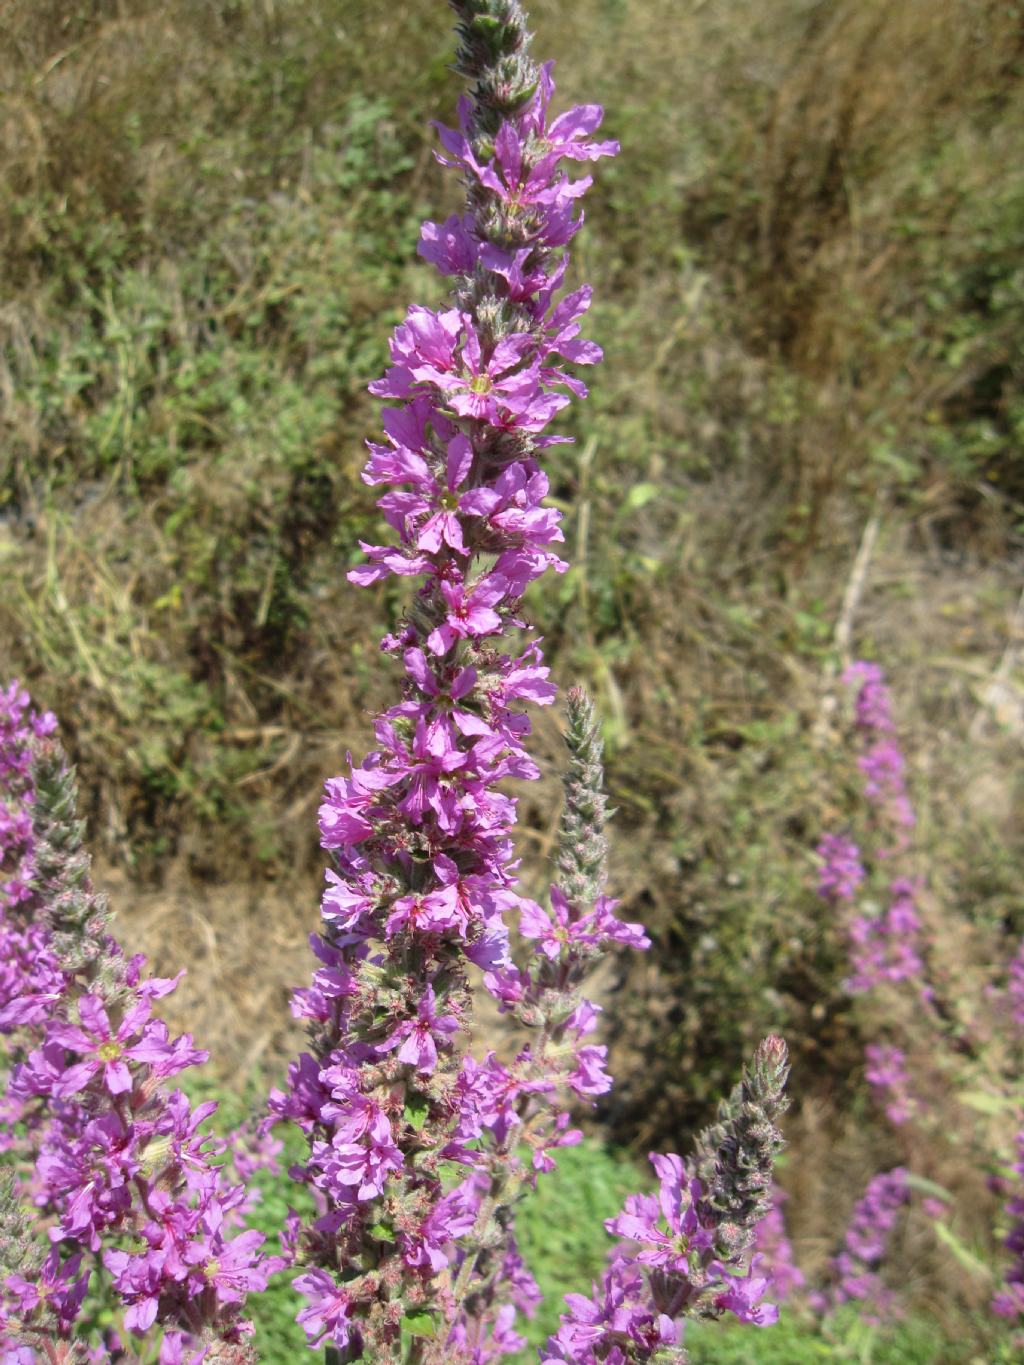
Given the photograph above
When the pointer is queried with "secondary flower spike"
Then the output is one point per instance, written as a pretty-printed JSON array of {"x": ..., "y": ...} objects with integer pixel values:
[{"x": 109, "y": 1155}]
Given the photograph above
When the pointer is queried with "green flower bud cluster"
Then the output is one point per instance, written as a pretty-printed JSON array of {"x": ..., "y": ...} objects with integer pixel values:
[{"x": 494, "y": 54}]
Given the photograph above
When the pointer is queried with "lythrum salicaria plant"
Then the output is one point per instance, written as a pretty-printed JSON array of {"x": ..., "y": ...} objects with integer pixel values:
[
  {"x": 936, "y": 1044},
  {"x": 419, "y": 1147},
  {"x": 123, "y": 1183}
]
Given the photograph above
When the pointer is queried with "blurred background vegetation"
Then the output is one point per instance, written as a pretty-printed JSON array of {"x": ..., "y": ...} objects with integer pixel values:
[{"x": 808, "y": 265}]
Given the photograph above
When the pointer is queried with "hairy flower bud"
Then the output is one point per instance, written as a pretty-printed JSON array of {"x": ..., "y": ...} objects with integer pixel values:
[
  {"x": 494, "y": 54},
  {"x": 734, "y": 1157},
  {"x": 18, "y": 1250},
  {"x": 582, "y": 846},
  {"x": 77, "y": 916}
]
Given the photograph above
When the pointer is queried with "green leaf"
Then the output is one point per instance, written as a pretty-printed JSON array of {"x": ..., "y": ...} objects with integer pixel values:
[
  {"x": 640, "y": 495},
  {"x": 925, "y": 1186},
  {"x": 416, "y": 1111},
  {"x": 381, "y": 1232},
  {"x": 985, "y": 1103},
  {"x": 963, "y": 1254},
  {"x": 420, "y": 1324}
]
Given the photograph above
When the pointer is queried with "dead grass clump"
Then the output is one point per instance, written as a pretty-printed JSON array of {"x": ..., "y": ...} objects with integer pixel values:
[{"x": 874, "y": 234}]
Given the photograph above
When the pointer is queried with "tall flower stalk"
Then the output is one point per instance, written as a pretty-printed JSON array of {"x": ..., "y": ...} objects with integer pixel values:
[
  {"x": 866, "y": 1240},
  {"x": 1008, "y": 1302},
  {"x": 683, "y": 1252},
  {"x": 933, "y": 1052},
  {"x": 415, "y": 1143},
  {"x": 405, "y": 1261}
]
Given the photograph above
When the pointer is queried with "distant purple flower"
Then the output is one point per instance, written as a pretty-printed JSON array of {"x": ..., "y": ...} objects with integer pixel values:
[
  {"x": 1008, "y": 1302},
  {"x": 883, "y": 946},
  {"x": 1015, "y": 987},
  {"x": 874, "y": 704},
  {"x": 563, "y": 929},
  {"x": 776, "y": 1250},
  {"x": 887, "y": 1072},
  {"x": 841, "y": 872},
  {"x": 864, "y": 1246}
]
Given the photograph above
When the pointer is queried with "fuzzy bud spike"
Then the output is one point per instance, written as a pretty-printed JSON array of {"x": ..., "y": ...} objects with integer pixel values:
[
  {"x": 494, "y": 54},
  {"x": 735, "y": 1156},
  {"x": 582, "y": 846},
  {"x": 77, "y": 916},
  {"x": 18, "y": 1251}
]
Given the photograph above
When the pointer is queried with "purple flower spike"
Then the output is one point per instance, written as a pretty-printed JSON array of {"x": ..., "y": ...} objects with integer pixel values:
[{"x": 113, "y": 1155}]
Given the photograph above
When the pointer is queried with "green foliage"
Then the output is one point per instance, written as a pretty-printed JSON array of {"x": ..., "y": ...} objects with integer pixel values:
[
  {"x": 273, "y": 1312},
  {"x": 560, "y": 1226},
  {"x": 205, "y": 257},
  {"x": 796, "y": 1341},
  {"x": 197, "y": 398}
]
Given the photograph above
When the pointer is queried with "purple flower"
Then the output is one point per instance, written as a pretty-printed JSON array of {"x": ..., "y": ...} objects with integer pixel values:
[
  {"x": 569, "y": 931},
  {"x": 867, "y": 1234},
  {"x": 344, "y": 814},
  {"x": 423, "y": 863},
  {"x": 1008, "y": 1302},
  {"x": 568, "y": 135},
  {"x": 469, "y": 612},
  {"x": 415, "y": 1038},
  {"x": 55, "y": 1286},
  {"x": 430, "y": 515},
  {"x": 233, "y": 1267},
  {"x": 441, "y": 354},
  {"x": 841, "y": 872},
  {"x": 887, "y": 1072},
  {"x": 874, "y": 704},
  {"x": 327, "y": 1316},
  {"x": 776, "y": 1251},
  {"x": 430, "y": 1244},
  {"x": 432, "y": 913},
  {"x": 539, "y": 202},
  {"x": 665, "y": 1227},
  {"x": 743, "y": 1295},
  {"x": 452, "y": 245},
  {"x": 109, "y": 1052}
]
